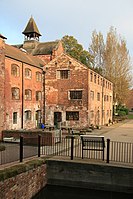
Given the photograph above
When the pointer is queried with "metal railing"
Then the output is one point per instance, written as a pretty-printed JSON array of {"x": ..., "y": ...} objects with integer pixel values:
[
  {"x": 120, "y": 152},
  {"x": 69, "y": 146}
]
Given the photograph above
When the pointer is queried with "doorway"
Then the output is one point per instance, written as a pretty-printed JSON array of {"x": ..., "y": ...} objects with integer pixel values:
[
  {"x": 38, "y": 118},
  {"x": 57, "y": 119}
]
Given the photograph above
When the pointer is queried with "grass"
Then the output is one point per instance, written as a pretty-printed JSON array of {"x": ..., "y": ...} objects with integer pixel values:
[
  {"x": 20, "y": 168},
  {"x": 130, "y": 116}
]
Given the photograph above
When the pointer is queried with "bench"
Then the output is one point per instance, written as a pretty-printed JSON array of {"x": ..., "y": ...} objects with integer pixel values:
[{"x": 93, "y": 143}]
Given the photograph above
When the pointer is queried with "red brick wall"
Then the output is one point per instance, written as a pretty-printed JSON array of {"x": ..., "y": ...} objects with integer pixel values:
[
  {"x": 16, "y": 105},
  {"x": 57, "y": 93},
  {"x": 57, "y": 90},
  {"x": 104, "y": 105},
  {"x": 31, "y": 136},
  {"x": 24, "y": 185},
  {"x": 47, "y": 58},
  {"x": 2, "y": 78}
]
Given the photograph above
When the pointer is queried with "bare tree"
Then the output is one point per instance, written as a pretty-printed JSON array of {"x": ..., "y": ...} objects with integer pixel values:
[
  {"x": 113, "y": 60},
  {"x": 117, "y": 65},
  {"x": 97, "y": 49}
]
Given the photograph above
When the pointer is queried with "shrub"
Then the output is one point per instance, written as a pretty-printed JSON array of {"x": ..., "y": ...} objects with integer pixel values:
[
  {"x": 121, "y": 113},
  {"x": 2, "y": 148}
]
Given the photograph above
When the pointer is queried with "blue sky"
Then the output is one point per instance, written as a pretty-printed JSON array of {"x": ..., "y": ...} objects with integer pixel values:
[{"x": 56, "y": 18}]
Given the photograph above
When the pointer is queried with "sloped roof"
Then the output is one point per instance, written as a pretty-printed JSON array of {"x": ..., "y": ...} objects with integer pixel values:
[
  {"x": 31, "y": 27},
  {"x": 19, "y": 55},
  {"x": 3, "y": 37},
  {"x": 45, "y": 48}
]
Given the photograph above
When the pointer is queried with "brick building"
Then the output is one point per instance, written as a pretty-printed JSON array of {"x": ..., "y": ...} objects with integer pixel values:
[
  {"x": 76, "y": 95},
  {"x": 44, "y": 50},
  {"x": 21, "y": 88},
  {"x": 2, "y": 80},
  {"x": 73, "y": 94}
]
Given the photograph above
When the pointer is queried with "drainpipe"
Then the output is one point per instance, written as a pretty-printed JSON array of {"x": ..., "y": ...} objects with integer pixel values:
[
  {"x": 102, "y": 101},
  {"x": 43, "y": 97},
  {"x": 22, "y": 111}
]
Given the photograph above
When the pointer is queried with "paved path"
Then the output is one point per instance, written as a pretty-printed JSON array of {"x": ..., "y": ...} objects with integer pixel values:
[{"x": 122, "y": 131}]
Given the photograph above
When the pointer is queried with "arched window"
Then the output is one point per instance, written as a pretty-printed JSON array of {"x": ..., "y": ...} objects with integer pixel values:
[
  {"x": 28, "y": 115},
  {"x": 15, "y": 70},
  {"x": 28, "y": 73},
  {"x": 38, "y": 95},
  {"x": 28, "y": 94},
  {"x": 38, "y": 76},
  {"x": 15, "y": 93}
]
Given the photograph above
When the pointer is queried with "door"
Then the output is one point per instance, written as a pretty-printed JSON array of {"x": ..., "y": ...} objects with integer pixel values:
[
  {"x": 57, "y": 119},
  {"x": 38, "y": 118}
]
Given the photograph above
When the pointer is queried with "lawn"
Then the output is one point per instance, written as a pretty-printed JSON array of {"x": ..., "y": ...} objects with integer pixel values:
[{"x": 130, "y": 116}]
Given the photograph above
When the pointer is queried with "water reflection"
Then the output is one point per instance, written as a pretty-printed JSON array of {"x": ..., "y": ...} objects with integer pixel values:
[{"x": 60, "y": 192}]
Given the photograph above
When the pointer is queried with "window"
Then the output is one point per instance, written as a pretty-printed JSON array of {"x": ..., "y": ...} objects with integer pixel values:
[
  {"x": 110, "y": 87},
  {"x": 28, "y": 94},
  {"x": 15, "y": 93},
  {"x": 15, "y": 70},
  {"x": 91, "y": 77},
  {"x": 28, "y": 115},
  {"x": 28, "y": 73},
  {"x": 38, "y": 95},
  {"x": 98, "y": 80},
  {"x": 95, "y": 77},
  {"x": 70, "y": 115},
  {"x": 106, "y": 84},
  {"x": 105, "y": 98},
  {"x": 98, "y": 96},
  {"x": 92, "y": 114},
  {"x": 63, "y": 74},
  {"x": 107, "y": 113},
  {"x": 38, "y": 76},
  {"x": 15, "y": 118},
  {"x": 75, "y": 94},
  {"x": 92, "y": 95},
  {"x": 101, "y": 81}
]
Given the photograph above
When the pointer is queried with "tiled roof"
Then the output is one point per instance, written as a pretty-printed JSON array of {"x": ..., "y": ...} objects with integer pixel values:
[
  {"x": 3, "y": 37},
  {"x": 19, "y": 55},
  {"x": 31, "y": 27},
  {"x": 45, "y": 48}
]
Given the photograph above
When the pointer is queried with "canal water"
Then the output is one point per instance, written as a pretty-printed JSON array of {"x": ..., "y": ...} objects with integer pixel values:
[{"x": 61, "y": 192}]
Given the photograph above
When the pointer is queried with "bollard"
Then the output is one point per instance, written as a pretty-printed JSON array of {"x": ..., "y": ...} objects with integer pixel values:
[
  {"x": 72, "y": 144},
  {"x": 39, "y": 145},
  {"x": 108, "y": 149},
  {"x": 21, "y": 149}
]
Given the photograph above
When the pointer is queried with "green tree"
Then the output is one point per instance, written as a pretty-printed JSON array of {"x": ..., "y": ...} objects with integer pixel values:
[{"x": 73, "y": 48}]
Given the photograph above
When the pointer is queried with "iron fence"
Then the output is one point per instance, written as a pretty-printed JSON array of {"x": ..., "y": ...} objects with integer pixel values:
[
  {"x": 69, "y": 146},
  {"x": 121, "y": 152}
]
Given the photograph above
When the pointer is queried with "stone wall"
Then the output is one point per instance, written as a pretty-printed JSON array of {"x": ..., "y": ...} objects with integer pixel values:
[
  {"x": 24, "y": 185},
  {"x": 99, "y": 176}
]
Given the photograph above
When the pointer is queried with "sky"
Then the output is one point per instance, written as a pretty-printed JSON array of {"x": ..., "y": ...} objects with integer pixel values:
[{"x": 57, "y": 18}]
